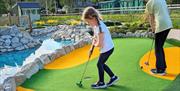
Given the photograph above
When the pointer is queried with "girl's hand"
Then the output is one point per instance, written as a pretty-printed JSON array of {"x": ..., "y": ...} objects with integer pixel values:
[
  {"x": 94, "y": 41},
  {"x": 99, "y": 41},
  {"x": 153, "y": 29}
]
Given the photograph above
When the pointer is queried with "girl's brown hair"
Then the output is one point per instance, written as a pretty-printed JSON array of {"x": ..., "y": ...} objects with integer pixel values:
[{"x": 90, "y": 13}]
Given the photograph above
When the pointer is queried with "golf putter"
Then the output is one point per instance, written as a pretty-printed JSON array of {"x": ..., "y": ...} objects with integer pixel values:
[
  {"x": 147, "y": 62},
  {"x": 89, "y": 56}
]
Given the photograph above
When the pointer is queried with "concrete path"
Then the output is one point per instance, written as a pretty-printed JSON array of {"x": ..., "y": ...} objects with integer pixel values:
[{"x": 174, "y": 34}]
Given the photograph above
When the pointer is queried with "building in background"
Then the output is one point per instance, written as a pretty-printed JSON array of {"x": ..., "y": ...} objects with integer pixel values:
[
  {"x": 121, "y": 3},
  {"x": 26, "y": 9}
]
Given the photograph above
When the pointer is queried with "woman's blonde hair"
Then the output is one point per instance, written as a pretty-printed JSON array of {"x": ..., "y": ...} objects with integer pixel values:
[{"x": 90, "y": 12}]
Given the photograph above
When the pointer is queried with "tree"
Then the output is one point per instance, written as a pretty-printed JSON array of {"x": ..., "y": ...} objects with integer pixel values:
[
  {"x": 2, "y": 7},
  {"x": 173, "y": 1}
]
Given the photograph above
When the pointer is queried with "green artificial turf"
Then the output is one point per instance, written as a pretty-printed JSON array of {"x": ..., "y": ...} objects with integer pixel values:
[
  {"x": 175, "y": 86},
  {"x": 124, "y": 63},
  {"x": 173, "y": 42}
]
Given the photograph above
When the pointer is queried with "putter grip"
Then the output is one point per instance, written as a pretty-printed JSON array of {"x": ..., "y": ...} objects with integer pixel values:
[
  {"x": 91, "y": 51},
  {"x": 92, "y": 48}
]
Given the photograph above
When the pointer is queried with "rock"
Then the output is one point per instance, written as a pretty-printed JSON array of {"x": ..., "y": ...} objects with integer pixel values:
[
  {"x": 15, "y": 45},
  {"x": 10, "y": 50},
  {"x": 27, "y": 36},
  {"x": 133, "y": 35},
  {"x": 3, "y": 50},
  {"x": 9, "y": 84},
  {"x": 1, "y": 40},
  {"x": 30, "y": 45},
  {"x": 7, "y": 42},
  {"x": 114, "y": 34},
  {"x": 14, "y": 30},
  {"x": 45, "y": 59},
  {"x": 29, "y": 69},
  {"x": 146, "y": 35},
  {"x": 67, "y": 49},
  {"x": 73, "y": 35},
  {"x": 15, "y": 40},
  {"x": 20, "y": 48},
  {"x": 7, "y": 47},
  {"x": 39, "y": 63},
  {"x": 24, "y": 40},
  {"x": 26, "y": 47},
  {"x": 6, "y": 37},
  {"x": 121, "y": 35},
  {"x": 81, "y": 43},
  {"x": 13, "y": 35},
  {"x": 53, "y": 56},
  {"x": 150, "y": 34},
  {"x": 62, "y": 52},
  {"x": 72, "y": 48},
  {"x": 9, "y": 30},
  {"x": 129, "y": 34},
  {"x": 37, "y": 32},
  {"x": 19, "y": 78},
  {"x": 1, "y": 43},
  {"x": 1, "y": 87},
  {"x": 138, "y": 35},
  {"x": 20, "y": 35},
  {"x": 143, "y": 34},
  {"x": 1, "y": 47},
  {"x": 37, "y": 42},
  {"x": 76, "y": 45},
  {"x": 11, "y": 38}
]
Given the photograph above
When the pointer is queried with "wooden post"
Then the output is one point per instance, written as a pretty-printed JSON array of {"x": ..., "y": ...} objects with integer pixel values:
[
  {"x": 9, "y": 16},
  {"x": 30, "y": 23},
  {"x": 46, "y": 8}
]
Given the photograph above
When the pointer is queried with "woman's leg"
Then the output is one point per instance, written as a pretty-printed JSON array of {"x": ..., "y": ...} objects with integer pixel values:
[{"x": 159, "y": 51}]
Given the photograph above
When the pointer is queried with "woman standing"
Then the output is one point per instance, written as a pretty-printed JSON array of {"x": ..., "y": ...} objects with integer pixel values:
[{"x": 161, "y": 24}]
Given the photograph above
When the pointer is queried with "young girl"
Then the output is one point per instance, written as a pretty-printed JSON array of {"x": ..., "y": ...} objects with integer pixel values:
[
  {"x": 161, "y": 24},
  {"x": 103, "y": 40}
]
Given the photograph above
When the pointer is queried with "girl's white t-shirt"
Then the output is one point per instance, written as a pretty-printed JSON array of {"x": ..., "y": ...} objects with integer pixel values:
[{"x": 107, "y": 40}]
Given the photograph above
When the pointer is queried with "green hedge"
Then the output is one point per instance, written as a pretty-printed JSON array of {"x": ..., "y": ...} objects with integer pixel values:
[{"x": 125, "y": 18}]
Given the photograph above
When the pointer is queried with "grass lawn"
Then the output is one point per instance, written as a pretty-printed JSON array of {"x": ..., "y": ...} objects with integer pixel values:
[
  {"x": 173, "y": 42},
  {"x": 124, "y": 62},
  {"x": 175, "y": 85}
]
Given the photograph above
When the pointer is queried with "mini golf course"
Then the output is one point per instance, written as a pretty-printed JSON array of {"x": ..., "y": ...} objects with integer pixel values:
[{"x": 126, "y": 60}]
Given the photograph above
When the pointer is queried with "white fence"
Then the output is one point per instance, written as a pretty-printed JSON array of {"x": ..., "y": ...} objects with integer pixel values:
[
  {"x": 134, "y": 9},
  {"x": 137, "y": 9}
]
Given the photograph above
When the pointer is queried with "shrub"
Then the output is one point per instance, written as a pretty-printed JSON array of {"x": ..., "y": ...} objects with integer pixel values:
[
  {"x": 117, "y": 29},
  {"x": 52, "y": 21},
  {"x": 74, "y": 22}
]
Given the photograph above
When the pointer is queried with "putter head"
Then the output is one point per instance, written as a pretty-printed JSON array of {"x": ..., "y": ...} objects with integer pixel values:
[
  {"x": 146, "y": 63},
  {"x": 79, "y": 84}
]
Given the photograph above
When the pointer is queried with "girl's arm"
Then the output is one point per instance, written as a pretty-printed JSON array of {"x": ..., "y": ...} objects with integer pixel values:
[
  {"x": 98, "y": 41},
  {"x": 152, "y": 22}
]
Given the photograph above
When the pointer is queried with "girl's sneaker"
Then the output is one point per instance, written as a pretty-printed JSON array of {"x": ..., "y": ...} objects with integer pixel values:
[
  {"x": 112, "y": 81},
  {"x": 99, "y": 85}
]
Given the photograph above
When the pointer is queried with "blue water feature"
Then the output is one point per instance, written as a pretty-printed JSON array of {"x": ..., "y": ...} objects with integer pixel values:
[{"x": 17, "y": 57}]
